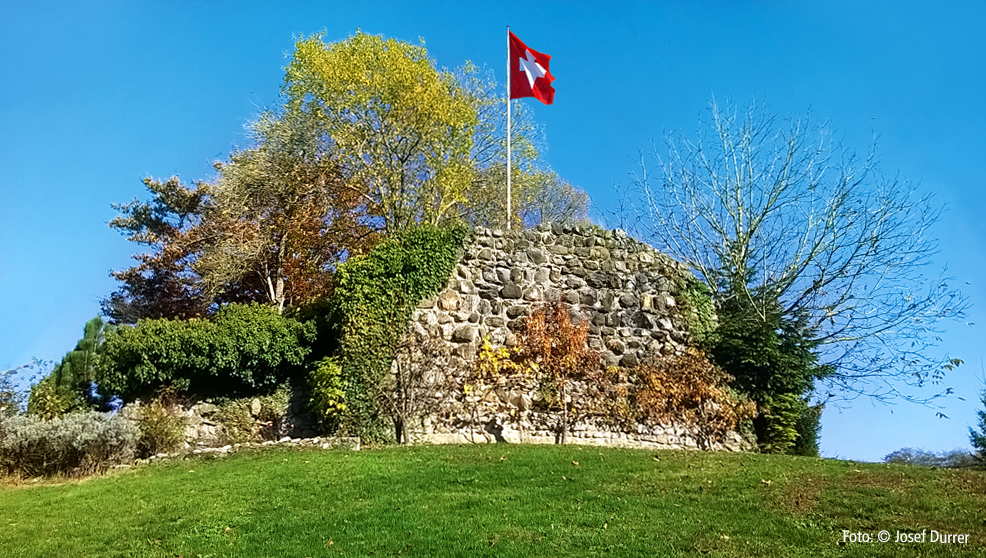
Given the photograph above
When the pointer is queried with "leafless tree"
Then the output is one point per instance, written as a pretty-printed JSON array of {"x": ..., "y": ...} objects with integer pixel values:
[
  {"x": 411, "y": 390},
  {"x": 779, "y": 210}
]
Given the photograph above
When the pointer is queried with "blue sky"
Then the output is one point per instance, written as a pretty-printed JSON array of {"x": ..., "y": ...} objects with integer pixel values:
[{"x": 97, "y": 95}]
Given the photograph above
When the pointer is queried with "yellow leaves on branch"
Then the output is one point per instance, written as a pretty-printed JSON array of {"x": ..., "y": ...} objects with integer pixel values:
[{"x": 397, "y": 124}]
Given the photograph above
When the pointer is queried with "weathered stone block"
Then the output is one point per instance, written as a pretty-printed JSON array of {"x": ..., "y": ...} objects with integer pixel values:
[
  {"x": 516, "y": 311},
  {"x": 559, "y": 250},
  {"x": 511, "y": 291},
  {"x": 616, "y": 346},
  {"x": 465, "y": 334},
  {"x": 537, "y": 257},
  {"x": 587, "y": 297},
  {"x": 483, "y": 307},
  {"x": 629, "y": 301},
  {"x": 597, "y": 252},
  {"x": 449, "y": 300}
]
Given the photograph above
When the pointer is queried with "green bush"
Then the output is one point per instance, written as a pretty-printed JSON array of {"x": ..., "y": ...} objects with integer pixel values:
[
  {"x": 161, "y": 424},
  {"x": 243, "y": 349},
  {"x": 76, "y": 444},
  {"x": 809, "y": 428},
  {"x": 776, "y": 423}
]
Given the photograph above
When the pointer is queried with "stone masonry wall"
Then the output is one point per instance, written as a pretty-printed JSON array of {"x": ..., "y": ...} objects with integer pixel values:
[{"x": 622, "y": 287}]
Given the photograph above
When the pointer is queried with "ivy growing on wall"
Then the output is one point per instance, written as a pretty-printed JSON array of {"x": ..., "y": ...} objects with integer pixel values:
[
  {"x": 696, "y": 306},
  {"x": 374, "y": 299}
]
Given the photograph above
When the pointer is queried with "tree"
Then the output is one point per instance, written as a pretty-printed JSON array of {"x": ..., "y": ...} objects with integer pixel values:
[
  {"x": 429, "y": 145},
  {"x": 70, "y": 386},
  {"x": 280, "y": 218},
  {"x": 78, "y": 368},
  {"x": 977, "y": 436},
  {"x": 269, "y": 229},
  {"x": 772, "y": 360},
  {"x": 372, "y": 139},
  {"x": 162, "y": 285},
  {"x": 10, "y": 398},
  {"x": 395, "y": 123},
  {"x": 777, "y": 213},
  {"x": 956, "y": 458},
  {"x": 12, "y": 395}
]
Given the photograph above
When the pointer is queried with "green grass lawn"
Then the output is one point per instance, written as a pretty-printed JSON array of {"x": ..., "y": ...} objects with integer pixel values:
[{"x": 495, "y": 500}]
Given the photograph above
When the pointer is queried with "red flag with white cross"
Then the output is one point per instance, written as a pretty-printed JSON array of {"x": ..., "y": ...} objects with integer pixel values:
[{"x": 529, "y": 75}]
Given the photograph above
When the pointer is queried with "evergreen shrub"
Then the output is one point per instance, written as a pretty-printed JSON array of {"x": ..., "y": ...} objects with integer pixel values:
[
  {"x": 242, "y": 350},
  {"x": 773, "y": 362}
]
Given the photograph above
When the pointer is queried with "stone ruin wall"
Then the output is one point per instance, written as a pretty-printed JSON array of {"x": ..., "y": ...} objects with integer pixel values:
[{"x": 622, "y": 287}]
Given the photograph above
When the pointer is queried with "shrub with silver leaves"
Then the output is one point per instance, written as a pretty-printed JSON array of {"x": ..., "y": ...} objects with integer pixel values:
[{"x": 76, "y": 444}]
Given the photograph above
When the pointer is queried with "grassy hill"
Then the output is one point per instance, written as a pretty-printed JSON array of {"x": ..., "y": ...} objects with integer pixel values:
[{"x": 497, "y": 500}]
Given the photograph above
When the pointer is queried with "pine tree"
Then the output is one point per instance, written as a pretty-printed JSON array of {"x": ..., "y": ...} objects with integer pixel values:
[
  {"x": 977, "y": 436},
  {"x": 70, "y": 382}
]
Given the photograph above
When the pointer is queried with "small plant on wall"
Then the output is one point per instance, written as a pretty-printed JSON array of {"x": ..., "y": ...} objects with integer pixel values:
[
  {"x": 497, "y": 370},
  {"x": 553, "y": 357},
  {"x": 559, "y": 350}
]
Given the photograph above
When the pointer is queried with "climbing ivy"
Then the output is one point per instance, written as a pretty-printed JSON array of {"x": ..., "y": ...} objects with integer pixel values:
[
  {"x": 697, "y": 309},
  {"x": 374, "y": 298}
]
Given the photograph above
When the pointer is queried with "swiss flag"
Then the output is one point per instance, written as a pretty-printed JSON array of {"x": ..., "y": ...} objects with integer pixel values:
[{"x": 529, "y": 75}]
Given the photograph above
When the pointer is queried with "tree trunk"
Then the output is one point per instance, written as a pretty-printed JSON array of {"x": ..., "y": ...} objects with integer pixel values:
[{"x": 564, "y": 417}]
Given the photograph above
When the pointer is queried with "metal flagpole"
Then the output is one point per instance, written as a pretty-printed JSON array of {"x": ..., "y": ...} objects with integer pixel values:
[{"x": 508, "y": 128}]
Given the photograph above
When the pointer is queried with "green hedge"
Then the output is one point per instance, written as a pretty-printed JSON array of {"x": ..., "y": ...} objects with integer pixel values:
[{"x": 243, "y": 349}]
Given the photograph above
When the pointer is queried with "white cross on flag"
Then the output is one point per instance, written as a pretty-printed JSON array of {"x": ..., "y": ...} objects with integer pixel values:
[{"x": 529, "y": 75}]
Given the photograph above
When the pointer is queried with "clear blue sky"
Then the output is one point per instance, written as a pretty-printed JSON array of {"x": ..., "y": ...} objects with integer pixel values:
[{"x": 96, "y": 95}]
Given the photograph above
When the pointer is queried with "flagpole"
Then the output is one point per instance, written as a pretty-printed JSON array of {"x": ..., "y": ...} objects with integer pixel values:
[{"x": 508, "y": 128}]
